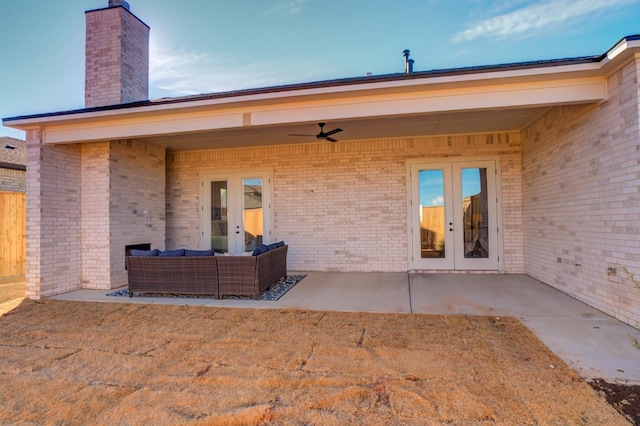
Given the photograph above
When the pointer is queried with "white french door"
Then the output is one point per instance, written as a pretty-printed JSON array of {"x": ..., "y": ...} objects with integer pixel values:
[
  {"x": 236, "y": 211},
  {"x": 454, "y": 216}
]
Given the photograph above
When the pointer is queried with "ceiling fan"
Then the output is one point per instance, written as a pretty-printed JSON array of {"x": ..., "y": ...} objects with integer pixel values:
[{"x": 322, "y": 135}]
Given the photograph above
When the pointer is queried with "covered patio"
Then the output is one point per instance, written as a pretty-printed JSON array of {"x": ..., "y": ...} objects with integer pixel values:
[
  {"x": 553, "y": 145},
  {"x": 590, "y": 342}
]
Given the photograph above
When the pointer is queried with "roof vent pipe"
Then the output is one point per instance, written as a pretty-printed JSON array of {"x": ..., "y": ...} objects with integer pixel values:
[
  {"x": 408, "y": 63},
  {"x": 116, "y": 3}
]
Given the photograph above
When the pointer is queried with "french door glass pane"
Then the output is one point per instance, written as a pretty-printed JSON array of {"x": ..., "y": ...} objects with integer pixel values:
[
  {"x": 252, "y": 213},
  {"x": 475, "y": 213},
  {"x": 432, "y": 213},
  {"x": 219, "y": 217}
]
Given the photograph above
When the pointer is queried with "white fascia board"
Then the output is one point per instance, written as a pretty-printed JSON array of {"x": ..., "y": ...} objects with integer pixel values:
[
  {"x": 616, "y": 57},
  {"x": 623, "y": 46}
]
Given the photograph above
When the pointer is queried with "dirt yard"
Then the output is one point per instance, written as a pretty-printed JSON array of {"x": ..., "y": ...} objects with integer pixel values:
[{"x": 106, "y": 363}]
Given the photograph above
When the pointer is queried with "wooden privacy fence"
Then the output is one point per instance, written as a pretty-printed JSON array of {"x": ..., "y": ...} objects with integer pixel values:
[{"x": 13, "y": 233}]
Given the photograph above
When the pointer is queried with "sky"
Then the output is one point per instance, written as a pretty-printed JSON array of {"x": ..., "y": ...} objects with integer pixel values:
[
  {"x": 432, "y": 185},
  {"x": 208, "y": 46}
]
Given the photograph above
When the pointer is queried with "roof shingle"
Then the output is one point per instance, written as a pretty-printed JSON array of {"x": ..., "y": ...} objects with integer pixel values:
[{"x": 12, "y": 151}]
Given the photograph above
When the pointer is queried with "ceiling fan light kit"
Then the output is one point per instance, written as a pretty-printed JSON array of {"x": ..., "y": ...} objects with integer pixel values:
[{"x": 322, "y": 135}]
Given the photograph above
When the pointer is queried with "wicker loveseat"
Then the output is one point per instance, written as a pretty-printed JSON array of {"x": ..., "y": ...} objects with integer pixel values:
[{"x": 199, "y": 272}]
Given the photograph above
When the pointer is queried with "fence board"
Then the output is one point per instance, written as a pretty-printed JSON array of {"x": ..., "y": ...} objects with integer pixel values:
[{"x": 13, "y": 233}]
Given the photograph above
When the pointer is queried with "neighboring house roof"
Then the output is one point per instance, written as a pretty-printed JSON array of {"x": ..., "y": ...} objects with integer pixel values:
[{"x": 13, "y": 153}]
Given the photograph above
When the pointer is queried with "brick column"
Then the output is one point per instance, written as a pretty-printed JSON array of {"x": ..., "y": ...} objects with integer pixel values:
[{"x": 53, "y": 217}]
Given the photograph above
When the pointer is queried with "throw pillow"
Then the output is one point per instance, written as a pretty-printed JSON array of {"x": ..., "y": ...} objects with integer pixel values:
[
  {"x": 136, "y": 252},
  {"x": 260, "y": 250},
  {"x": 198, "y": 253},
  {"x": 172, "y": 253}
]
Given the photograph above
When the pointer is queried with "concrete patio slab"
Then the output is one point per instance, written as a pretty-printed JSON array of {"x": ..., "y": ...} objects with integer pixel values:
[{"x": 351, "y": 291}]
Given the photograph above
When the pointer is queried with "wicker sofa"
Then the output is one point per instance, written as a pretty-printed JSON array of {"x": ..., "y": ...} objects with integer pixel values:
[{"x": 218, "y": 276}]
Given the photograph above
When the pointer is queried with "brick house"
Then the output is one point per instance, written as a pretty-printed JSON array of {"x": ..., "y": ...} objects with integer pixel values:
[
  {"x": 13, "y": 185},
  {"x": 13, "y": 160},
  {"x": 527, "y": 168}
]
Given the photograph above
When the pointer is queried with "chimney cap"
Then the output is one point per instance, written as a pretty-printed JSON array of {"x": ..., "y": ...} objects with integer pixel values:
[{"x": 117, "y": 3}]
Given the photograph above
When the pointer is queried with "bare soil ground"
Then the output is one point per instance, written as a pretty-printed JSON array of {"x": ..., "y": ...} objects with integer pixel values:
[
  {"x": 624, "y": 398},
  {"x": 105, "y": 363}
]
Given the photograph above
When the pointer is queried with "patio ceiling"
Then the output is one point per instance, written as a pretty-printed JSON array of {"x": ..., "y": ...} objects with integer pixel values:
[{"x": 450, "y": 123}]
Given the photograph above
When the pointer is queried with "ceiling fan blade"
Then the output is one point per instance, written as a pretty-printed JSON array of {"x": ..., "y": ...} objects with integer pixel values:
[
  {"x": 331, "y": 139},
  {"x": 297, "y": 134},
  {"x": 333, "y": 132}
]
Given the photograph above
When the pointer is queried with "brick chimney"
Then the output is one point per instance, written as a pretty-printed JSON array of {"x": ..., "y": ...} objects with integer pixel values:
[{"x": 117, "y": 56}]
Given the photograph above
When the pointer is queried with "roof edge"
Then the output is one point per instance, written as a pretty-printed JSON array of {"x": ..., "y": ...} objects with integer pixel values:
[
  {"x": 321, "y": 84},
  {"x": 513, "y": 66}
]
